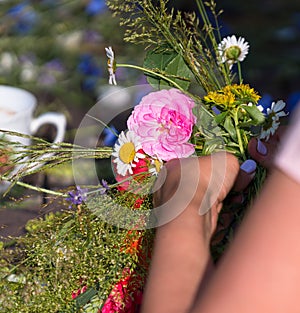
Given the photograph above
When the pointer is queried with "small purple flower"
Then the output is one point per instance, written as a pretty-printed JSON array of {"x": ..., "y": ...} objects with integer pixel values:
[
  {"x": 92, "y": 37},
  {"x": 55, "y": 65},
  {"x": 216, "y": 110},
  {"x": 105, "y": 186},
  {"x": 77, "y": 196}
]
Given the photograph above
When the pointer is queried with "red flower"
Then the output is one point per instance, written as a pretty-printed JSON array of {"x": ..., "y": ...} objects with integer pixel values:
[
  {"x": 140, "y": 173},
  {"x": 75, "y": 294},
  {"x": 138, "y": 202},
  {"x": 125, "y": 296}
]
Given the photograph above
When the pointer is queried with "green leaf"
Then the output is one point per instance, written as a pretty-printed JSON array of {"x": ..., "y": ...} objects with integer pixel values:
[
  {"x": 158, "y": 60},
  {"x": 255, "y": 114},
  {"x": 85, "y": 297},
  {"x": 229, "y": 126},
  {"x": 220, "y": 117},
  {"x": 177, "y": 67},
  {"x": 169, "y": 64}
]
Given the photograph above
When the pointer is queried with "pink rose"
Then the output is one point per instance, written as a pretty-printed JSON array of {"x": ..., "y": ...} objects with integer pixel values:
[{"x": 164, "y": 120}]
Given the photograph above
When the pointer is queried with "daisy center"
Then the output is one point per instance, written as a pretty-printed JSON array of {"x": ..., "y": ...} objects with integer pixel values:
[
  {"x": 157, "y": 165},
  {"x": 127, "y": 152},
  {"x": 233, "y": 52},
  {"x": 269, "y": 121}
]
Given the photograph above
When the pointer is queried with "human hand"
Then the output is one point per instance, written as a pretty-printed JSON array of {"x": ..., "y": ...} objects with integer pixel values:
[
  {"x": 197, "y": 185},
  {"x": 261, "y": 153}
]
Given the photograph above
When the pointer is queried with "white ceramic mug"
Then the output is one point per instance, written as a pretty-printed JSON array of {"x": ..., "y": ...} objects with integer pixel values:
[{"x": 17, "y": 114}]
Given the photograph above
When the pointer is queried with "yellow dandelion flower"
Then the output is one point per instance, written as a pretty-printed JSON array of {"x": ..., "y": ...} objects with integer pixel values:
[
  {"x": 223, "y": 98},
  {"x": 244, "y": 93}
]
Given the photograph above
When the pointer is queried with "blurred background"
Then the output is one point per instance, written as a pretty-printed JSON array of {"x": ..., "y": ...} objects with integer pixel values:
[
  {"x": 272, "y": 28},
  {"x": 56, "y": 49}
]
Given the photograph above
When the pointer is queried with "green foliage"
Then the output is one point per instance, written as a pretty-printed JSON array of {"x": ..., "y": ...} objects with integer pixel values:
[
  {"x": 60, "y": 254},
  {"x": 156, "y": 26},
  {"x": 171, "y": 65}
]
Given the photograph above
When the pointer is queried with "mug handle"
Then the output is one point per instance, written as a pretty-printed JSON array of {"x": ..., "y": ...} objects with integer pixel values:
[{"x": 56, "y": 119}]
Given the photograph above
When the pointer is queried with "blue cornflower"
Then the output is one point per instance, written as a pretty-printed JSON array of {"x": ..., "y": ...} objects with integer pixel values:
[
  {"x": 88, "y": 65},
  {"x": 293, "y": 101},
  {"x": 77, "y": 196},
  {"x": 265, "y": 103},
  {"x": 91, "y": 71},
  {"x": 95, "y": 7},
  {"x": 110, "y": 136},
  {"x": 24, "y": 16}
]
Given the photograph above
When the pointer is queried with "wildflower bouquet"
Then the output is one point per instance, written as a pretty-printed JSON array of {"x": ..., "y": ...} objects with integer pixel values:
[{"x": 199, "y": 104}]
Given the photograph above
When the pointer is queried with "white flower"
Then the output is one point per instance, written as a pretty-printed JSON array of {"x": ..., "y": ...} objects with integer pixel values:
[
  {"x": 111, "y": 65},
  {"x": 232, "y": 50},
  {"x": 272, "y": 119},
  {"x": 29, "y": 72},
  {"x": 71, "y": 41},
  {"x": 259, "y": 107},
  {"x": 155, "y": 167},
  {"x": 7, "y": 62},
  {"x": 126, "y": 152}
]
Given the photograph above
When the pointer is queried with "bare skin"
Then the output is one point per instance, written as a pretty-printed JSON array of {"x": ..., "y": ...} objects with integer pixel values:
[
  {"x": 259, "y": 273},
  {"x": 175, "y": 279}
]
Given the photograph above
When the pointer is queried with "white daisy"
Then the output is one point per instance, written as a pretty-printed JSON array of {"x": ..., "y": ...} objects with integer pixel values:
[
  {"x": 155, "y": 167},
  {"x": 272, "y": 119},
  {"x": 259, "y": 107},
  {"x": 111, "y": 66},
  {"x": 126, "y": 152},
  {"x": 232, "y": 50}
]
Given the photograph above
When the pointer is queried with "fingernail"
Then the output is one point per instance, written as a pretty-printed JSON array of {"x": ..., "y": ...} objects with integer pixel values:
[
  {"x": 249, "y": 166},
  {"x": 261, "y": 148}
]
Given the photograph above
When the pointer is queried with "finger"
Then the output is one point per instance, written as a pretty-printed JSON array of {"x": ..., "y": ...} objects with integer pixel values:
[
  {"x": 263, "y": 151},
  {"x": 245, "y": 175},
  {"x": 260, "y": 151}
]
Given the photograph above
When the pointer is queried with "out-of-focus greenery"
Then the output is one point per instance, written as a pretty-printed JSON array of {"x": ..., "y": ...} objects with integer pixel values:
[
  {"x": 61, "y": 254},
  {"x": 55, "y": 49}
]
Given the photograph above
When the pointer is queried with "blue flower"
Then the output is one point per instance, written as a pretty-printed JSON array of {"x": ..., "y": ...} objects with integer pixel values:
[
  {"x": 90, "y": 69},
  {"x": 95, "y": 7},
  {"x": 265, "y": 102},
  {"x": 89, "y": 83},
  {"x": 88, "y": 66},
  {"x": 110, "y": 136},
  {"x": 293, "y": 101},
  {"x": 77, "y": 196},
  {"x": 24, "y": 17}
]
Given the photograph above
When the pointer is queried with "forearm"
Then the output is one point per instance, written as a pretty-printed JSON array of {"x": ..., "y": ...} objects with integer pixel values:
[
  {"x": 179, "y": 262},
  {"x": 260, "y": 273},
  {"x": 181, "y": 254}
]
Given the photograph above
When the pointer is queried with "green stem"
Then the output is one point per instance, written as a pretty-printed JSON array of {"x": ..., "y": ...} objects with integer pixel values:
[
  {"x": 240, "y": 71},
  {"x": 39, "y": 189},
  {"x": 238, "y": 133},
  {"x": 152, "y": 73}
]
